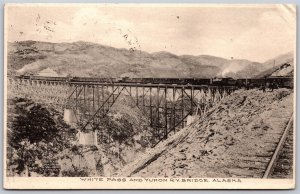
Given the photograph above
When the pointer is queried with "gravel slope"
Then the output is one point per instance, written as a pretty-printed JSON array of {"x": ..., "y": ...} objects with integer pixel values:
[{"x": 235, "y": 139}]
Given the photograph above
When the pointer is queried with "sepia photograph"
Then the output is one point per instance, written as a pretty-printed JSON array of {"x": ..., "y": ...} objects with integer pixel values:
[{"x": 149, "y": 96}]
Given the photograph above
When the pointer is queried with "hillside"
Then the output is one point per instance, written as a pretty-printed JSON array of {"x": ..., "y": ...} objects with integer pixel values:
[
  {"x": 232, "y": 140},
  {"x": 276, "y": 66},
  {"x": 90, "y": 59}
]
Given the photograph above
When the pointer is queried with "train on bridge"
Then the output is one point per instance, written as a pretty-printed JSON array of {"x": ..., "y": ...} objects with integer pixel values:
[{"x": 279, "y": 81}]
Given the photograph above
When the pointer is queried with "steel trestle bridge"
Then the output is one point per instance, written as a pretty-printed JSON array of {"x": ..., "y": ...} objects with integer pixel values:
[{"x": 167, "y": 106}]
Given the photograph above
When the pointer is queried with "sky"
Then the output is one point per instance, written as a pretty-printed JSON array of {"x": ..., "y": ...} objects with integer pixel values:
[{"x": 253, "y": 32}]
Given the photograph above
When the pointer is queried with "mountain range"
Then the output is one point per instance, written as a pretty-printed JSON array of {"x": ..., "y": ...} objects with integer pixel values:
[{"x": 95, "y": 60}]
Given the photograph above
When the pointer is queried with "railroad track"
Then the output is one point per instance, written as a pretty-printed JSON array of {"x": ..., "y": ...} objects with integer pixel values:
[{"x": 281, "y": 163}]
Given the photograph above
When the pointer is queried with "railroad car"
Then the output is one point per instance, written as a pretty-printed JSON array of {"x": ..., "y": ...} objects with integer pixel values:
[
  {"x": 280, "y": 81},
  {"x": 250, "y": 83},
  {"x": 228, "y": 81},
  {"x": 45, "y": 78},
  {"x": 255, "y": 83},
  {"x": 92, "y": 79},
  {"x": 23, "y": 76}
]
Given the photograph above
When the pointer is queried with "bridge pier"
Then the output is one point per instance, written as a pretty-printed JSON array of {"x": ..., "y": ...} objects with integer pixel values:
[
  {"x": 69, "y": 116},
  {"x": 88, "y": 138}
]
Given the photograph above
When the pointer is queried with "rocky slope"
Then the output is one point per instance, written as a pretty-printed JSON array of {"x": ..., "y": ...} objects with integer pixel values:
[
  {"x": 236, "y": 138},
  {"x": 90, "y": 59}
]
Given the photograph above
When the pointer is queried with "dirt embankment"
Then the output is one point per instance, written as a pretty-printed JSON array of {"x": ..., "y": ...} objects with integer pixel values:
[{"x": 236, "y": 138}]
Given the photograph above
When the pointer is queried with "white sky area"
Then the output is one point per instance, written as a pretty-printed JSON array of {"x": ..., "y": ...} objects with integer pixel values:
[{"x": 251, "y": 32}]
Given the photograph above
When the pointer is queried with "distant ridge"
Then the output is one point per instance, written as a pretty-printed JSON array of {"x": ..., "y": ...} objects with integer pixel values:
[{"x": 95, "y": 60}]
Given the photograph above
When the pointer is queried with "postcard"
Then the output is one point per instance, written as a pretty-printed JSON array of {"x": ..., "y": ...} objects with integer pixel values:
[{"x": 149, "y": 96}]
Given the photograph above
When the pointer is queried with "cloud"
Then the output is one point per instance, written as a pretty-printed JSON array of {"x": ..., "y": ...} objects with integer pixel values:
[{"x": 249, "y": 32}]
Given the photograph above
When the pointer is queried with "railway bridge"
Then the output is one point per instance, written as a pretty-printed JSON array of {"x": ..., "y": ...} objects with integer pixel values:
[{"x": 168, "y": 107}]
